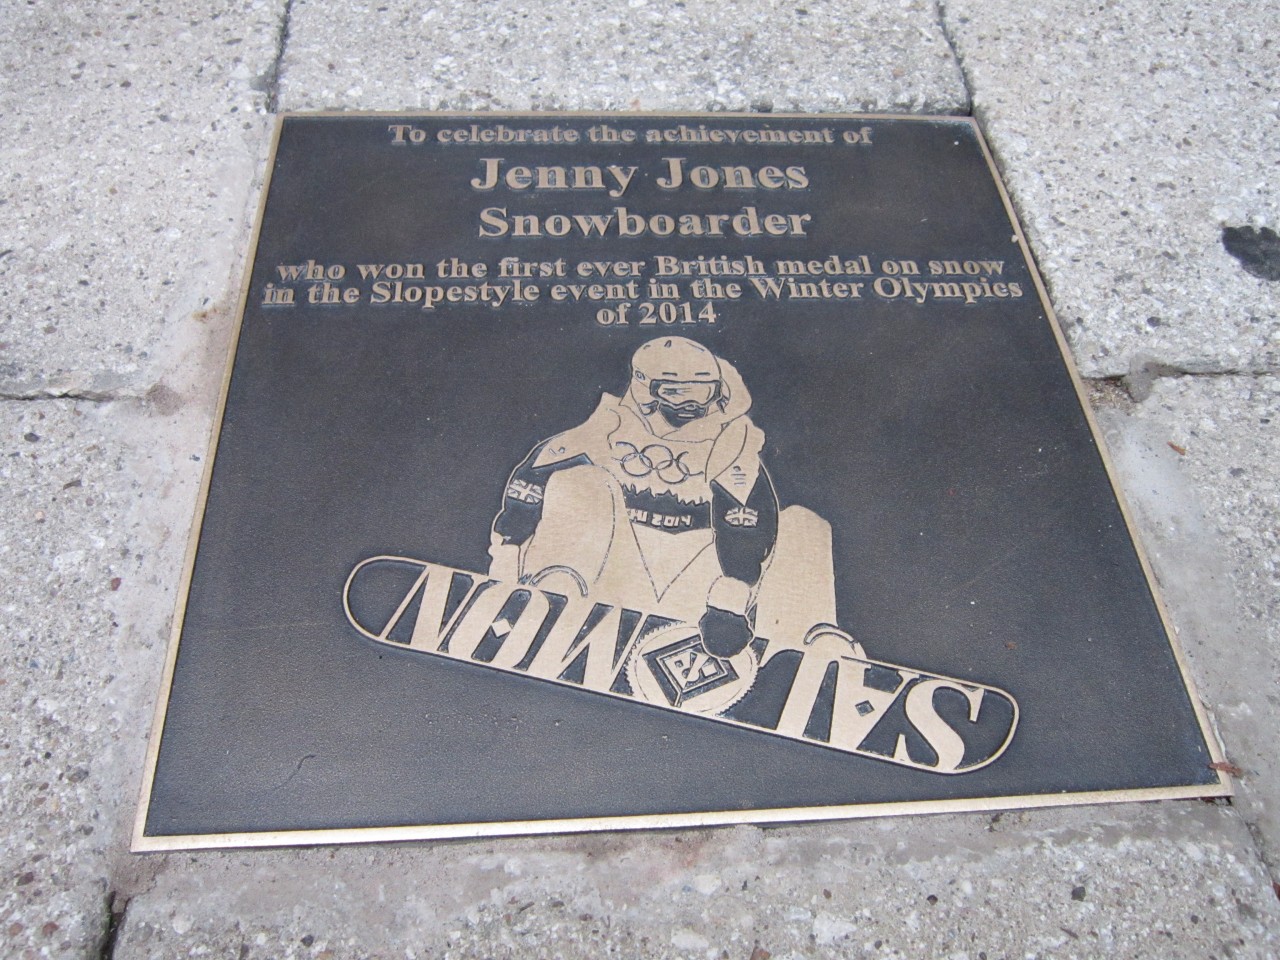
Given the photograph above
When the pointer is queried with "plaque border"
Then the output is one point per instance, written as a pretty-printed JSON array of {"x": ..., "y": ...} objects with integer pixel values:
[{"x": 141, "y": 842}]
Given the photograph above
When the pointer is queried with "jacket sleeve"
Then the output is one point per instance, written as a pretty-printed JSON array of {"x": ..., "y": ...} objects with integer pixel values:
[
  {"x": 745, "y": 532},
  {"x": 522, "y": 498}
]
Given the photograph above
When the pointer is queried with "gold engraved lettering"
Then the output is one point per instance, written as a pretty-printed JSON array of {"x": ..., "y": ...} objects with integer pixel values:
[
  {"x": 945, "y": 741},
  {"x": 731, "y": 177},
  {"x": 429, "y": 629},
  {"x": 613, "y": 179},
  {"x": 590, "y": 644},
  {"x": 570, "y": 637},
  {"x": 496, "y": 222}
]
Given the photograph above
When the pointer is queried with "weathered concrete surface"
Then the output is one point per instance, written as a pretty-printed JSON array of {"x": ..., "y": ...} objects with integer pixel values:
[
  {"x": 1130, "y": 133},
  {"x": 1171, "y": 880},
  {"x": 85, "y": 652},
  {"x": 95, "y": 505},
  {"x": 65, "y": 554},
  {"x": 638, "y": 55},
  {"x": 1197, "y": 462},
  {"x": 128, "y": 139}
]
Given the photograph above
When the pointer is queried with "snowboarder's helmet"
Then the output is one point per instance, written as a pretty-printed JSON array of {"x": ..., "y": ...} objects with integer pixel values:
[{"x": 677, "y": 377}]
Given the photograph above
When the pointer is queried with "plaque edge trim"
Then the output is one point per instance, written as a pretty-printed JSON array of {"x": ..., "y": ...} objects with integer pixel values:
[
  {"x": 141, "y": 842},
  {"x": 161, "y": 843},
  {"x": 165, "y": 690},
  {"x": 638, "y": 114},
  {"x": 1208, "y": 731}
]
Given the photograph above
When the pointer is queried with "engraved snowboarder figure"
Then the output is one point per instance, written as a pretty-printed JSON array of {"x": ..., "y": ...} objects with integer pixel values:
[
  {"x": 643, "y": 554},
  {"x": 659, "y": 501}
]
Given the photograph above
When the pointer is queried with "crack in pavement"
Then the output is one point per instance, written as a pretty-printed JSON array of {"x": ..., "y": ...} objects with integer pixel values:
[
  {"x": 271, "y": 78},
  {"x": 1145, "y": 371},
  {"x": 965, "y": 79},
  {"x": 114, "y": 920},
  {"x": 92, "y": 396}
]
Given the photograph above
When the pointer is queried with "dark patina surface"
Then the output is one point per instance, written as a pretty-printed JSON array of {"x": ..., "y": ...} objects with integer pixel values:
[{"x": 975, "y": 533}]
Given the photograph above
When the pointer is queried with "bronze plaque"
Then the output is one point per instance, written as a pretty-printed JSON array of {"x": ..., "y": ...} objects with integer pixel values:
[{"x": 590, "y": 472}]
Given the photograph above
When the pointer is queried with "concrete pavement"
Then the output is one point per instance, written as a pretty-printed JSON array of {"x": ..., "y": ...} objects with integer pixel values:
[{"x": 133, "y": 143}]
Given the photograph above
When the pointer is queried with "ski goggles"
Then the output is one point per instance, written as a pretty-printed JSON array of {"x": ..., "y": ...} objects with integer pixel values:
[{"x": 679, "y": 392}]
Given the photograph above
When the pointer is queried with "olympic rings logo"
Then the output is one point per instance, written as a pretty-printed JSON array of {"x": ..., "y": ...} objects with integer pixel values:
[{"x": 655, "y": 458}]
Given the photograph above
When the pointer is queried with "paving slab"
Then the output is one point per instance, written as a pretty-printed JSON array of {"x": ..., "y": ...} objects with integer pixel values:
[
  {"x": 96, "y": 499},
  {"x": 129, "y": 137},
  {"x": 65, "y": 553},
  {"x": 639, "y": 55},
  {"x": 1197, "y": 463},
  {"x": 1167, "y": 880},
  {"x": 1131, "y": 134}
]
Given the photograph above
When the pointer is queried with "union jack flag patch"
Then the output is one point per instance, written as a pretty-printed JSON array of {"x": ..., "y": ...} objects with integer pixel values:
[
  {"x": 529, "y": 492},
  {"x": 741, "y": 517}
]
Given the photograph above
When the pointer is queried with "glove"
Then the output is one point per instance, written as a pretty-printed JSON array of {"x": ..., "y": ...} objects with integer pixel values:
[{"x": 724, "y": 633}]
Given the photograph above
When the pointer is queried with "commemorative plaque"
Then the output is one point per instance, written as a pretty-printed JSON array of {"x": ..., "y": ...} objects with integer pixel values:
[{"x": 590, "y": 472}]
